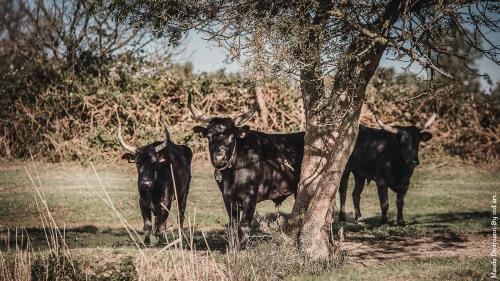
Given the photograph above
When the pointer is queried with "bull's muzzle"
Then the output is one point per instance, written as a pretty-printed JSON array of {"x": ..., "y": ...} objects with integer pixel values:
[
  {"x": 219, "y": 158},
  {"x": 147, "y": 184},
  {"x": 219, "y": 163}
]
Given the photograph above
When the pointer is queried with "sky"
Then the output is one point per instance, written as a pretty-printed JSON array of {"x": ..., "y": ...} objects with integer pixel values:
[{"x": 208, "y": 57}]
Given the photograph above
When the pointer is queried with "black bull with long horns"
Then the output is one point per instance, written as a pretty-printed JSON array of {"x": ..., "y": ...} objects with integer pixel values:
[
  {"x": 387, "y": 156},
  {"x": 164, "y": 174},
  {"x": 250, "y": 166}
]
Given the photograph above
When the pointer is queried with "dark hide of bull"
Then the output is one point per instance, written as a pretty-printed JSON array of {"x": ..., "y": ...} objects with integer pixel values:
[
  {"x": 156, "y": 185},
  {"x": 252, "y": 166},
  {"x": 386, "y": 158}
]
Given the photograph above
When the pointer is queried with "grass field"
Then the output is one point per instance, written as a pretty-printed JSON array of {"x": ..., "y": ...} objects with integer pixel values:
[{"x": 447, "y": 236}]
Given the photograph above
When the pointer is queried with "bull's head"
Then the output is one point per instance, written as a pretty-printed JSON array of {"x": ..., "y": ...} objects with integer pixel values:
[
  {"x": 408, "y": 138},
  {"x": 148, "y": 159},
  {"x": 222, "y": 133}
]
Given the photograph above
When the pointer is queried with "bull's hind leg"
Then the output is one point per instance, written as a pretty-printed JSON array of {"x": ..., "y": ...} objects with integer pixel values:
[
  {"x": 146, "y": 217},
  {"x": 343, "y": 192},
  {"x": 359, "y": 184},
  {"x": 182, "y": 209},
  {"x": 384, "y": 202}
]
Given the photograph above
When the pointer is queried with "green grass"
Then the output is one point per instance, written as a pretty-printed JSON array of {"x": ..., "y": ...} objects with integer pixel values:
[
  {"x": 68, "y": 189},
  {"x": 453, "y": 268},
  {"x": 448, "y": 204},
  {"x": 447, "y": 201},
  {"x": 437, "y": 201}
]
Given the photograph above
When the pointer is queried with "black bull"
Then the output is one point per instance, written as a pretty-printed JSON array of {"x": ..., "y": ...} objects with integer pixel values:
[
  {"x": 250, "y": 166},
  {"x": 387, "y": 156},
  {"x": 161, "y": 166}
]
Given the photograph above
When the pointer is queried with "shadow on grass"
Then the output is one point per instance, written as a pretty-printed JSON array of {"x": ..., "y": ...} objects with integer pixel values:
[
  {"x": 86, "y": 236},
  {"x": 90, "y": 236},
  {"x": 444, "y": 226},
  {"x": 372, "y": 249},
  {"x": 456, "y": 217},
  {"x": 446, "y": 233}
]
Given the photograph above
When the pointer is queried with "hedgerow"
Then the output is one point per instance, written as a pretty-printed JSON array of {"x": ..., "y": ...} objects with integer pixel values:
[{"x": 73, "y": 118}]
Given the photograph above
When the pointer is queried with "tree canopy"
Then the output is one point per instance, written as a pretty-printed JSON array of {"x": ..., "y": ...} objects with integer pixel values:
[
  {"x": 310, "y": 39},
  {"x": 270, "y": 34}
]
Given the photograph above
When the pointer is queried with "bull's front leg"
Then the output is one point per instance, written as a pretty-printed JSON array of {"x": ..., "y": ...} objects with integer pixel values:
[
  {"x": 161, "y": 218},
  {"x": 146, "y": 217},
  {"x": 246, "y": 221},
  {"x": 234, "y": 219},
  {"x": 400, "y": 202}
]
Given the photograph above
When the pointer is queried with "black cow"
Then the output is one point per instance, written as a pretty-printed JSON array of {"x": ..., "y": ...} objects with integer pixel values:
[
  {"x": 161, "y": 166},
  {"x": 250, "y": 166},
  {"x": 387, "y": 156}
]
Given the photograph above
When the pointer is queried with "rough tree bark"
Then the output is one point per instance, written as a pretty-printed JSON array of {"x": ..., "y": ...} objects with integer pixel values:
[
  {"x": 331, "y": 129},
  {"x": 332, "y": 121}
]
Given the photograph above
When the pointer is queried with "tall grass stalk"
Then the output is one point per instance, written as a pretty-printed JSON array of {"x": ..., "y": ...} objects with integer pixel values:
[
  {"x": 185, "y": 262},
  {"x": 134, "y": 236},
  {"x": 17, "y": 264}
]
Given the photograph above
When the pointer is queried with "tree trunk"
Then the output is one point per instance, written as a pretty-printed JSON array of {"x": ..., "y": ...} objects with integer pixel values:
[
  {"x": 332, "y": 122},
  {"x": 331, "y": 129}
]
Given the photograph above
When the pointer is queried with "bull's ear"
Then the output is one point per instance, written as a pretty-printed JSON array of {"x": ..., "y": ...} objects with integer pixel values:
[
  {"x": 130, "y": 157},
  {"x": 200, "y": 130},
  {"x": 425, "y": 136},
  {"x": 243, "y": 131}
]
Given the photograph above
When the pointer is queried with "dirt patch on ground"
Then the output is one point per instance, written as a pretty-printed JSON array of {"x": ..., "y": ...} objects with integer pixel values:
[{"x": 368, "y": 250}]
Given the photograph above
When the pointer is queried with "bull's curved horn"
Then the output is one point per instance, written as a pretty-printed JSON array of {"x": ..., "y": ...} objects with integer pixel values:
[
  {"x": 384, "y": 126},
  {"x": 167, "y": 132},
  {"x": 243, "y": 118},
  {"x": 167, "y": 137},
  {"x": 430, "y": 121},
  {"x": 130, "y": 148},
  {"x": 198, "y": 115}
]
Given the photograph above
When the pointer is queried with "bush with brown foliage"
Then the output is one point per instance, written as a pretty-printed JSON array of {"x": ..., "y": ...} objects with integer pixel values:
[{"x": 74, "y": 119}]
